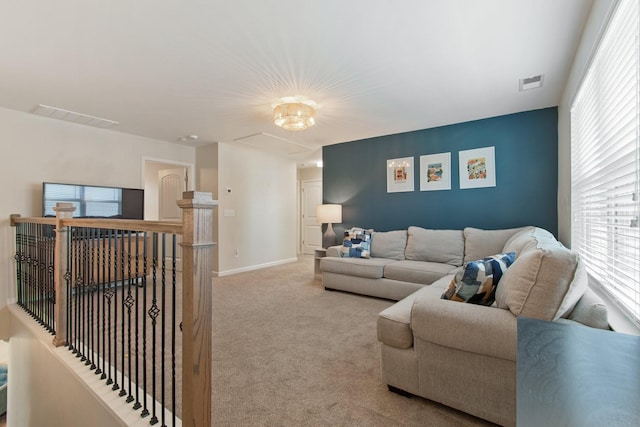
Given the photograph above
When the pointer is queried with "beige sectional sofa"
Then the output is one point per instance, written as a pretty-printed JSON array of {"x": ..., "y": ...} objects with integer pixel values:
[{"x": 459, "y": 354}]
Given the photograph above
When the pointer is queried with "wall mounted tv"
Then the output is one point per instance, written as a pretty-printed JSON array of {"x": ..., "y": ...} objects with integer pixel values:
[{"x": 92, "y": 201}]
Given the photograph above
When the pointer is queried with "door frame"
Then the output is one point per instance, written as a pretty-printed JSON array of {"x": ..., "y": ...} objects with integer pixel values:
[{"x": 151, "y": 182}]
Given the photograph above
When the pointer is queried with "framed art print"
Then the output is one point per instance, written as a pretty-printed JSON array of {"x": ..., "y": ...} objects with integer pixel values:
[
  {"x": 435, "y": 172},
  {"x": 400, "y": 175},
  {"x": 477, "y": 168}
]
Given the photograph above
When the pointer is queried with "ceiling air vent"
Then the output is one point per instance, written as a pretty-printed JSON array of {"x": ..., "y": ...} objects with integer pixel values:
[
  {"x": 273, "y": 143},
  {"x": 70, "y": 116},
  {"x": 531, "y": 82}
]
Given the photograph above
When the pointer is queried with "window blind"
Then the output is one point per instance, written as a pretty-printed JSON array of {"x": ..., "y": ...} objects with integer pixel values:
[{"x": 605, "y": 166}]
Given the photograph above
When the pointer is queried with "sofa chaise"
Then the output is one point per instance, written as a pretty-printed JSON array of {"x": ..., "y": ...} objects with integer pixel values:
[{"x": 460, "y": 354}]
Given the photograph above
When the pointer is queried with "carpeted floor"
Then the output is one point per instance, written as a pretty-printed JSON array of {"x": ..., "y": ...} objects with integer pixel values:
[{"x": 288, "y": 353}]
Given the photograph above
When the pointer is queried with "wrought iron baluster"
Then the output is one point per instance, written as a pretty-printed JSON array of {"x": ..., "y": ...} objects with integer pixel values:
[
  {"x": 91, "y": 293},
  {"x": 99, "y": 322},
  {"x": 151, "y": 311},
  {"x": 78, "y": 286},
  {"x": 117, "y": 274},
  {"x": 32, "y": 290},
  {"x": 50, "y": 271},
  {"x": 84, "y": 302},
  {"x": 140, "y": 281},
  {"x": 154, "y": 312},
  {"x": 163, "y": 340},
  {"x": 123, "y": 392},
  {"x": 109, "y": 294},
  {"x": 68, "y": 278},
  {"x": 129, "y": 301},
  {"x": 173, "y": 332}
]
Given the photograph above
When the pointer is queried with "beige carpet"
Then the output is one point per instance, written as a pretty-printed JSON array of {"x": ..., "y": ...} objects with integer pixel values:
[{"x": 288, "y": 353}]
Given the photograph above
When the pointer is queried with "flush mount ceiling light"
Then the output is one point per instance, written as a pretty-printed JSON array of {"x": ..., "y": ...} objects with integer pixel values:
[{"x": 294, "y": 115}]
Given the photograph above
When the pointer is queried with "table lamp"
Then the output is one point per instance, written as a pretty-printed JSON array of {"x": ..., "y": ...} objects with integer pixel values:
[{"x": 329, "y": 214}]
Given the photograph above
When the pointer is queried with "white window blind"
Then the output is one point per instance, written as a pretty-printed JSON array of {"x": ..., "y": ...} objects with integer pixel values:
[{"x": 605, "y": 173}]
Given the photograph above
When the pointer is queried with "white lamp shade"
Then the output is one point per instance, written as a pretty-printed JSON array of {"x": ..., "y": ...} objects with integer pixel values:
[{"x": 328, "y": 214}]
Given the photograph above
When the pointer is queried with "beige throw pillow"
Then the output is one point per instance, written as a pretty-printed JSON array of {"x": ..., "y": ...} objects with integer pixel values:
[{"x": 543, "y": 284}]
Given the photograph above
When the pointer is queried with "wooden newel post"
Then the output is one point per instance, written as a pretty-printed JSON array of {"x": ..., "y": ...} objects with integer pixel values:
[
  {"x": 63, "y": 210},
  {"x": 197, "y": 266}
]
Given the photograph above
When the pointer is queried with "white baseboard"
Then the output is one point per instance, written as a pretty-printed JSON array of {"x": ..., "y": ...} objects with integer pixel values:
[{"x": 253, "y": 267}]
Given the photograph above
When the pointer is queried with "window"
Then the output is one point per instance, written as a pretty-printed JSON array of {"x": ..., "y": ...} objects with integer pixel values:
[
  {"x": 605, "y": 171},
  {"x": 89, "y": 201}
]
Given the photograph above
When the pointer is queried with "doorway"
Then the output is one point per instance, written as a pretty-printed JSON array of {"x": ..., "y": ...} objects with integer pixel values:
[
  {"x": 164, "y": 184},
  {"x": 311, "y": 231},
  {"x": 178, "y": 178}
]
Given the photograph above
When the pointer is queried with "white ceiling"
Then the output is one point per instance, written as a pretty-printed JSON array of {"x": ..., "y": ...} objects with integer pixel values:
[{"x": 167, "y": 69}]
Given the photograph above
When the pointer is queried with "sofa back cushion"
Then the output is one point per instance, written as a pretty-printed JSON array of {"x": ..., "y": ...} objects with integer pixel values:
[
  {"x": 479, "y": 244},
  {"x": 444, "y": 246},
  {"x": 389, "y": 244},
  {"x": 529, "y": 238}
]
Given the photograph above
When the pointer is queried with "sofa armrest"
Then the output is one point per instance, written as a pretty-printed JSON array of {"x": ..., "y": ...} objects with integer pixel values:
[
  {"x": 467, "y": 327},
  {"x": 333, "y": 251}
]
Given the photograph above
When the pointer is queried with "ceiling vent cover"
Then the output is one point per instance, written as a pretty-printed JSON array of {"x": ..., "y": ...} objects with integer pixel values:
[
  {"x": 531, "y": 82},
  {"x": 273, "y": 143},
  {"x": 70, "y": 116}
]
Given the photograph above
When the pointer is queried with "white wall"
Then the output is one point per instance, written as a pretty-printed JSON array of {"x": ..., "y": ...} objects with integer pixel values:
[
  {"x": 258, "y": 217},
  {"x": 598, "y": 17},
  {"x": 37, "y": 149},
  {"x": 310, "y": 174}
]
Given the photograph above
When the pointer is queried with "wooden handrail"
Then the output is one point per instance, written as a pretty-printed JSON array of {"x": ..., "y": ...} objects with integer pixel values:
[
  {"x": 17, "y": 219},
  {"x": 104, "y": 223}
]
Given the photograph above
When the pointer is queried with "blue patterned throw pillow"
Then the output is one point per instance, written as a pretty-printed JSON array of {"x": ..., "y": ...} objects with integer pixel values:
[
  {"x": 356, "y": 243},
  {"x": 477, "y": 282}
]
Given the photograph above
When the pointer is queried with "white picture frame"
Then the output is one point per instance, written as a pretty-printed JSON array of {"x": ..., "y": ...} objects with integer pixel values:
[
  {"x": 435, "y": 172},
  {"x": 400, "y": 175},
  {"x": 477, "y": 168}
]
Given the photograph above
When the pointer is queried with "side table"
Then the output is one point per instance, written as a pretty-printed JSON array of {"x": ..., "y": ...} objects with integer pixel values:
[{"x": 318, "y": 254}]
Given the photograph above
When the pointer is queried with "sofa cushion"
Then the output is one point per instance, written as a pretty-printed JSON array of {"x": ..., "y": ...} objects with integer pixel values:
[
  {"x": 543, "y": 283},
  {"x": 477, "y": 283},
  {"x": 527, "y": 239},
  {"x": 422, "y": 272},
  {"x": 372, "y": 268},
  {"x": 443, "y": 282},
  {"x": 356, "y": 243},
  {"x": 388, "y": 244},
  {"x": 480, "y": 244},
  {"x": 394, "y": 323},
  {"x": 445, "y": 246},
  {"x": 590, "y": 311},
  {"x": 467, "y": 327}
]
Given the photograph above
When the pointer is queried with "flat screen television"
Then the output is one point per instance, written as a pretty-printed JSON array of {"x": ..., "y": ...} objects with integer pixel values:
[{"x": 92, "y": 201}]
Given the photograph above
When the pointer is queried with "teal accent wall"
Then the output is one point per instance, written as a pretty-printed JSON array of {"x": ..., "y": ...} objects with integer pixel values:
[{"x": 526, "y": 157}]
